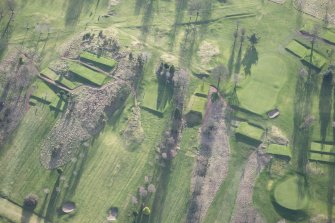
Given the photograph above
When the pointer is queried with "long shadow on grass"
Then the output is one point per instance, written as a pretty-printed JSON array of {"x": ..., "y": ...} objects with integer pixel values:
[
  {"x": 160, "y": 194},
  {"x": 206, "y": 15},
  {"x": 325, "y": 105},
  {"x": 239, "y": 55},
  {"x": 331, "y": 177},
  {"x": 76, "y": 174},
  {"x": 26, "y": 215},
  {"x": 165, "y": 93},
  {"x": 180, "y": 8},
  {"x": 74, "y": 10},
  {"x": 232, "y": 54},
  {"x": 250, "y": 59},
  {"x": 51, "y": 208},
  {"x": 44, "y": 205},
  {"x": 305, "y": 89},
  {"x": 147, "y": 19},
  {"x": 188, "y": 47},
  {"x": 138, "y": 6}
]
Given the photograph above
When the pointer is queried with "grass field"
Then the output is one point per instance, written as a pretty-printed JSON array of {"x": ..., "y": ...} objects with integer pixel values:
[
  {"x": 322, "y": 148},
  {"x": 108, "y": 62},
  {"x": 108, "y": 173},
  {"x": 88, "y": 74},
  {"x": 286, "y": 194},
  {"x": 279, "y": 150},
  {"x": 304, "y": 54},
  {"x": 258, "y": 93},
  {"x": 250, "y": 131},
  {"x": 44, "y": 93}
]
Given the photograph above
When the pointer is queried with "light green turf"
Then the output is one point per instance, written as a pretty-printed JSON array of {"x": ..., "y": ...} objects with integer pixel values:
[
  {"x": 281, "y": 150},
  {"x": 88, "y": 74},
  {"x": 258, "y": 93},
  {"x": 67, "y": 83},
  {"x": 289, "y": 194},
  {"x": 202, "y": 90},
  {"x": 304, "y": 53},
  {"x": 297, "y": 49},
  {"x": 50, "y": 74},
  {"x": 322, "y": 148},
  {"x": 329, "y": 36},
  {"x": 250, "y": 131},
  {"x": 197, "y": 104},
  {"x": 99, "y": 60},
  {"x": 322, "y": 157},
  {"x": 43, "y": 93}
]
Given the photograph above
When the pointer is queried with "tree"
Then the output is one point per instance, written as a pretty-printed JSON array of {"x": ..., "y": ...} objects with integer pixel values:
[
  {"x": 219, "y": 72},
  {"x": 30, "y": 202},
  {"x": 11, "y": 5},
  {"x": 253, "y": 39}
]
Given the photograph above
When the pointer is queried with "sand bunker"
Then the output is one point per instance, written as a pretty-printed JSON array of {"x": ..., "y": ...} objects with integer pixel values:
[
  {"x": 68, "y": 207},
  {"x": 112, "y": 214}
]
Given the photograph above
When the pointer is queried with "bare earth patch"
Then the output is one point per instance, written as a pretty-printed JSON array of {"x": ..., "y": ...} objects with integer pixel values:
[
  {"x": 212, "y": 161},
  {"x": 317, "y": 8},
  {"x": 90, "y": 107},
  {"x": 207, "y": 51},
  {"x": 244, "y": 210}
]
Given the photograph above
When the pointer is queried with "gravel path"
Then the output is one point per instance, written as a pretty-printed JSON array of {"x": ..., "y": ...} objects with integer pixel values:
[{"x": 244, "y": 210}]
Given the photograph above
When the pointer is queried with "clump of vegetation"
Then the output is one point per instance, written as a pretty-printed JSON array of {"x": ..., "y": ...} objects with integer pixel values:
[{"x": 30, "y": 201}]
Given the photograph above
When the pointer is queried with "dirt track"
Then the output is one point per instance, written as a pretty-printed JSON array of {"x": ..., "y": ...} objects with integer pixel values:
[
  {"x": 244, "y": 210},
  {"x": 212, "y": 161}
]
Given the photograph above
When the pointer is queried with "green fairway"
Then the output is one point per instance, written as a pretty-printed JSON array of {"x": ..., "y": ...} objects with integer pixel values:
[
  {"x": 88, "y": 74},
  {"x": 254, "y": 51},
  {"x": 86, "y": 56},
  {"x": 289, "y": 194},
  {"x": 258, "y": 93}
]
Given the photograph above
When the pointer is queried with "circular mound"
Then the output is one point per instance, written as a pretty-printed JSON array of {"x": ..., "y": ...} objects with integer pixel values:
[
  {"x": 68, "y": 207},
  {"x": 290, "y": 195},
  {"x": 112, "y": 214}
]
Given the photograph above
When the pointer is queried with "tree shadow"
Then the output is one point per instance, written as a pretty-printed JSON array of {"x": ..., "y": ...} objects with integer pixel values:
[
  {"x": 325, "y": 105},
  {"x": 206, "y": 15},
  {"x": 188, "y": 47},
  {"x": 250, "y": 59},
  {"x": 304, "y": 92},
  {"x": 181, "y": 5},
  {"x": 138, "y": 6},
  {"x": 165, "y": 93},
  {"x": 51, "y": 207},
  {"x": 147, "y": 19},
  {"x": 44, "y": 204},
  {"x": 232, "y": 54},
  {"x": 160, "y": 194},
  {"x": 331, "y": 177},
  {"x": 239, "y": 55},
  {"x": 74, "y": 10}
]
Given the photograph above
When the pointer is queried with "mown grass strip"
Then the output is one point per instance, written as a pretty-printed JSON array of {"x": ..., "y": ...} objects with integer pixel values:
[
  {"x": 110, "y": 63},
  {"x": 88, "y": 74},
  {"x": 279, "y": 150}
]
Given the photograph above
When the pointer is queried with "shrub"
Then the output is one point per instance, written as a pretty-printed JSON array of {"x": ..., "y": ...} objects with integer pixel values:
[
  {"x": 146, "y": 211},
  {"x": 30, "y": 202}
]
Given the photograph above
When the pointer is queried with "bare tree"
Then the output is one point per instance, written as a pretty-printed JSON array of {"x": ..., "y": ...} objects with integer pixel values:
[{"x": 11, "y": 5}]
